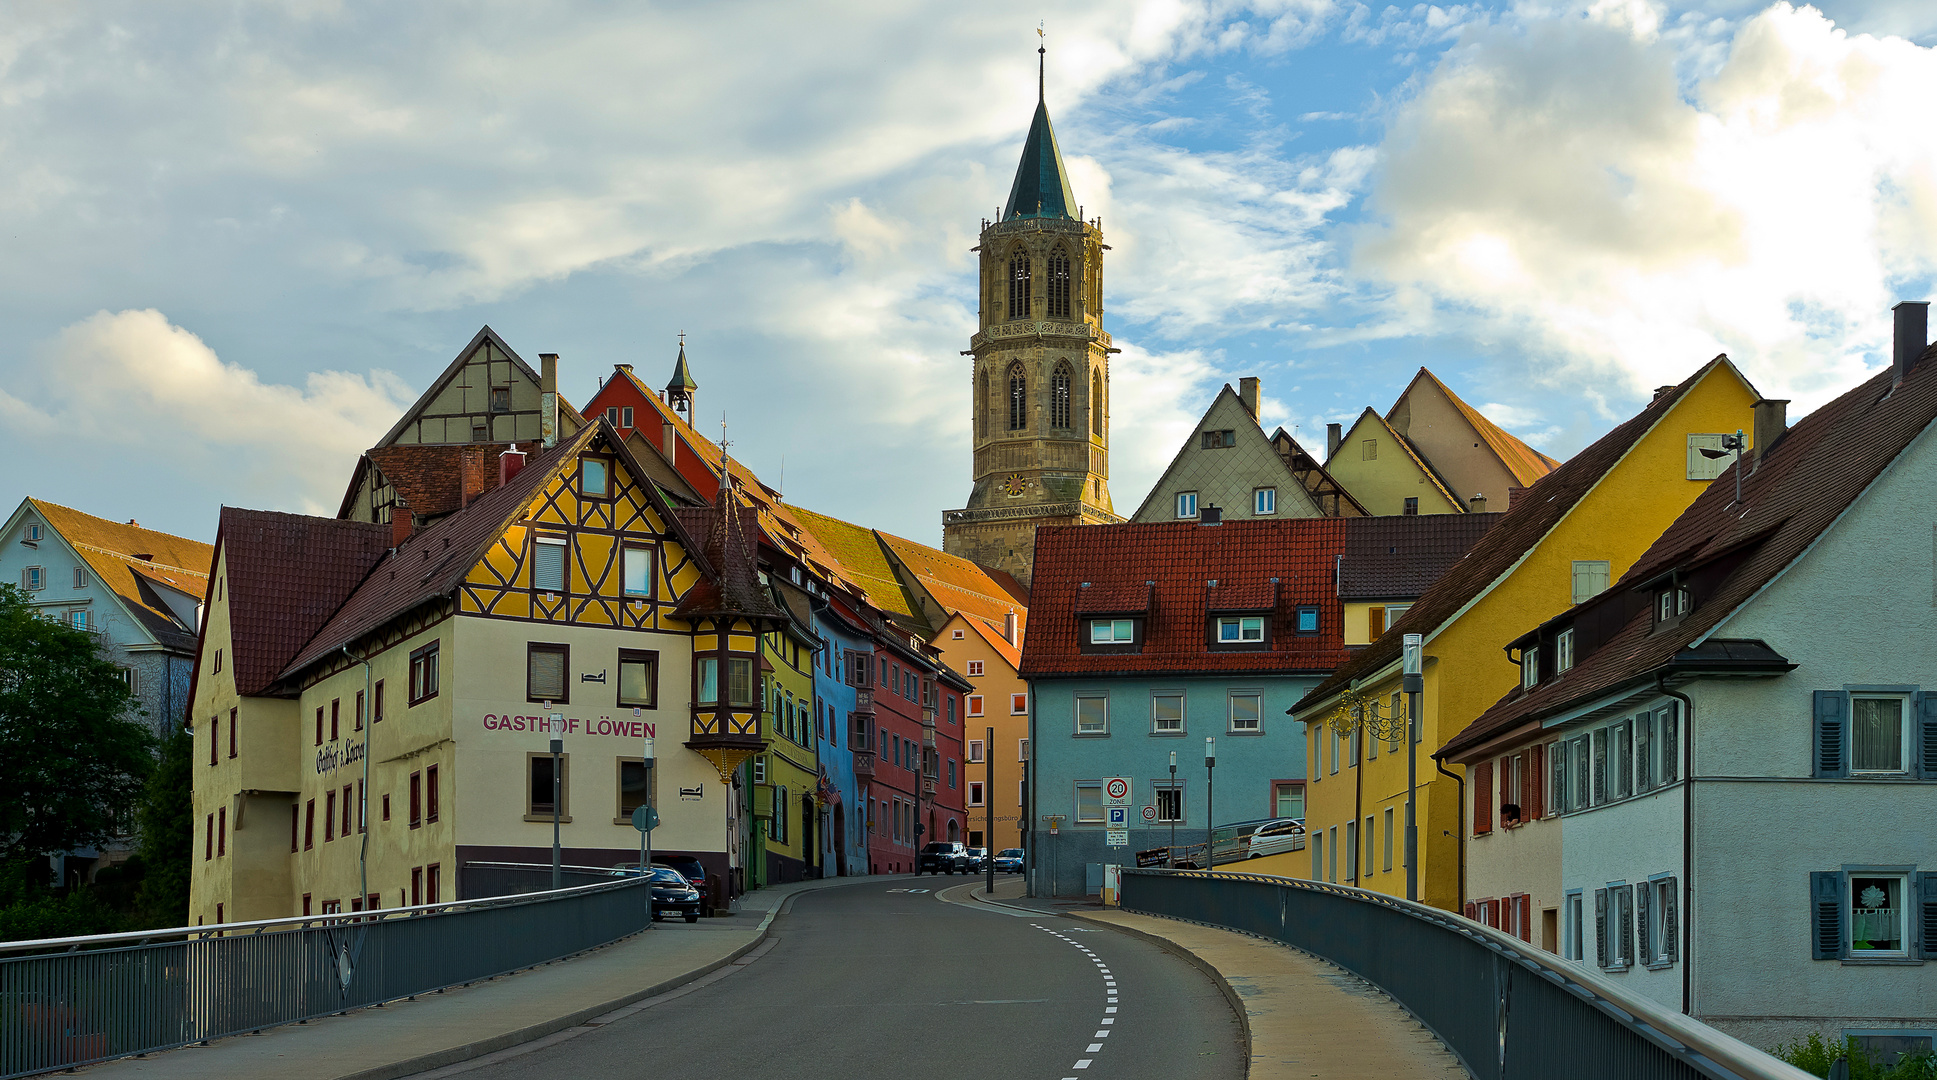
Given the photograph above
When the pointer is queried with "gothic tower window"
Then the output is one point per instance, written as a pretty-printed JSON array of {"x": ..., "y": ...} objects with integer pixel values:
[
  {"x": 1019, "y": 285},
  {"x": 1096, "y": 402},
  {"x": 982, "y": 407},
  {"x": 1058, "y": 385},
  {"x": 1059, "y": 285},
  {"x": 1018, "y": 399}
]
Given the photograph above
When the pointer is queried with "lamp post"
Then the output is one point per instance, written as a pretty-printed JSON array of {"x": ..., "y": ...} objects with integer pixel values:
[
  {"x": 1210, "y": 790},
  {"x": 645, "y": 835},
  {"x": 558, "y": 789},
  {"x": 1413, "y": 681},
  {"x": 1171, "y": 855}
]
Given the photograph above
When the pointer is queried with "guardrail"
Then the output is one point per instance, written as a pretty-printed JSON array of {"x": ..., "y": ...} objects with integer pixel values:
[
  {"x": 75, "y": 1001},
  {"x": 1506, "y": 1008}
]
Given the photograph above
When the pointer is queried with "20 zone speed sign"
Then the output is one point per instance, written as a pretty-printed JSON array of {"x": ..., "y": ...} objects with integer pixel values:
[{"x": 1117, "y": 788}]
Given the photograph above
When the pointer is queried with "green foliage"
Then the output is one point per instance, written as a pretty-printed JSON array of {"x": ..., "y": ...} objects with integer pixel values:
[
  {"x": 1815, "y": 1055},
  {"x": 71, "y": 760},
  {"x": 167, "y": 820}
]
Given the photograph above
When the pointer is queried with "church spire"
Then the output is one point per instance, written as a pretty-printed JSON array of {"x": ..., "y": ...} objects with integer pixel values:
[
  {"x": 679, "y": 392},
  {"x": 1041, "y": 189}
]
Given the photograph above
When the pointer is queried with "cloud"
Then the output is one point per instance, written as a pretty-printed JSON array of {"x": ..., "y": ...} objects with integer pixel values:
[
  {"x": 1554, "y": 187},
  {"x": 130, "y": 388}
]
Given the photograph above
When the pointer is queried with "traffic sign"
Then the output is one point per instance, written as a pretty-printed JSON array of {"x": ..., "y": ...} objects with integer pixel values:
[
  {"x": 1119, "y": 817},
  {"x": 645, "y": 819},
  {"x": 1149, "y": 813},
  {"x": 1117, "y": 790},
  {"x": 1116, "y": 838}
]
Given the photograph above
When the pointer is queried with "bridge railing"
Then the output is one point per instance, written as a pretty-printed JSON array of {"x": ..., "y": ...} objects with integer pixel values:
[
  {"x": 73, "y": 1001},
  {"x": 1506, "y": 1008}
]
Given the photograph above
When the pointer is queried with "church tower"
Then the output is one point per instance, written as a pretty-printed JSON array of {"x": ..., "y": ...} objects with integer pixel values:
[{"x": 1040, "y": 381}]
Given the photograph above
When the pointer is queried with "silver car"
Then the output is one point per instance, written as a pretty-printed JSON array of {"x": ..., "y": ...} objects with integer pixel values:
[{"x": 1276, "y": 838}]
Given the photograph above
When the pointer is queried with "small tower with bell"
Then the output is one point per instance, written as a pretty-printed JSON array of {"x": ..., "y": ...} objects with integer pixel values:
[{"x": 679, "y": 392}]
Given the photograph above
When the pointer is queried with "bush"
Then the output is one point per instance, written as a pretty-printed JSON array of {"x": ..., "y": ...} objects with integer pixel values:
[
  {"x": 1815, "y": 1055},
  {"x": 77, "y": 913}
]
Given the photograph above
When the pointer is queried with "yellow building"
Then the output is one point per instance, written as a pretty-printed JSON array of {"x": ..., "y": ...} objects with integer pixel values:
[
  {"x": 1576, "y": 531},
  {"x": 786, "y": 777},
  {"x": 372, "y": 718},
  {"x": 989, "y": 654}
]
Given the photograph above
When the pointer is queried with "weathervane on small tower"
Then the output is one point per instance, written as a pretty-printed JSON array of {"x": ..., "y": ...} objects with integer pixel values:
[{"x": 1042, "y": 59}]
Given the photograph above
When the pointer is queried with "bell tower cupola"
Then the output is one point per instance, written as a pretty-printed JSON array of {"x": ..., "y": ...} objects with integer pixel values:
[
  {"x": 1040, "y": 370},
  {"x": 679, "y": 392}
]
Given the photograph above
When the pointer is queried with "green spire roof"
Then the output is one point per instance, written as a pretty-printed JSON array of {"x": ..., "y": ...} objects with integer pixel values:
[
  {"x": 682, "y": 378},
  {"x": 1041, "y": 189}
]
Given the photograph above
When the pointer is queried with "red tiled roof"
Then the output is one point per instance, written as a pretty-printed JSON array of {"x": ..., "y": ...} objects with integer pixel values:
[
  {"x": 1094, "y": 599},
  {"x": 1241, "y": 596},
  {"x": 1727, "y": 551},
  {"x": 1180, "y": 557},
  {"x": 286, "y": 575},
  {"x": 1398, "y": 557},
  {"x": 1514, "y": 535}
]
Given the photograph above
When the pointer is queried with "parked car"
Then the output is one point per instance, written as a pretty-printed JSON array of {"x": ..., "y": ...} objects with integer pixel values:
[
  {"x": 943, "y": 857},
  {"x": 687, "y": 867},
  {"x": 672, "y": 892},
  {"x": 1276, "y": 838},
  {"x": 1008, "y": 861},
  {"x": 978, "y": 860}
]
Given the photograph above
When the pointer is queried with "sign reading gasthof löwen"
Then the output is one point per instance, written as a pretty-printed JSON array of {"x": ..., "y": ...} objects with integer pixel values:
[{"x": 573, "y": 725}]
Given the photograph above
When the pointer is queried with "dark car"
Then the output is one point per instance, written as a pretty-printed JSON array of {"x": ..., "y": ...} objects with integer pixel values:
[
  {"x": 978, "y": 860},
  {"x": 943, "y": 857},
  {"x": 695, "y": 873},
  {"x": 1008, "y": 861},
  {"x": 672, "y": 892}
]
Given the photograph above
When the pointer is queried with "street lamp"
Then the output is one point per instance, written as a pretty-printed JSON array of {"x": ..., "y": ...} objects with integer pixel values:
[
  {"x": 558, "y": 789},
  {"x": 1172, "y": 860},
  {"x": 1413, "y": 682},
  {"x": 1210, "y": 789}
]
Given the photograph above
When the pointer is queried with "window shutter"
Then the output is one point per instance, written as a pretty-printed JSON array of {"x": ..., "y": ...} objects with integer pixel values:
[
  {"x": 1832, "y": 714},
  {"x": 1926, "y": 921},
  {"x": 1536, "y": 807},
  {"x": 1473, "y": 911},
  {"x": 1526, "y": 918},
  {"x": 1670, "y": 745},
  {"x": 1826, "y": 912},
  {"x": 1644, "y": 940},
  {"x": 1600, "y": 927},
  {"x": 1482, "y": 798},
  {"x": 1557, "y": 763},
  {"x": 548, "y": 568},
  {"x": 1927, "y": 731},
  {"x": 1625, "y": 894}
]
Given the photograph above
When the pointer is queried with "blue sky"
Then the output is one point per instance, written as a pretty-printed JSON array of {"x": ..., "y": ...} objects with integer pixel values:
[{"x": 241, "y": 238}]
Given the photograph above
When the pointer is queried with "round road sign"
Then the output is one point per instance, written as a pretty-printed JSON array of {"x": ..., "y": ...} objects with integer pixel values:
[
  {"x": 1149, "y": 813},
  {"x": 1117, "y": 788}
]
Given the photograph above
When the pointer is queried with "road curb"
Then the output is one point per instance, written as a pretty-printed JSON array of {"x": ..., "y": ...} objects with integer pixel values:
[
  {"x": 454, "y": 1055},
  {"x": 1217, "y": 978}
]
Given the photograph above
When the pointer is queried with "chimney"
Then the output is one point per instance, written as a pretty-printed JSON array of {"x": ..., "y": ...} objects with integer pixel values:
[
  {"x": 1659, "y": 390},
  {"x": 400, "y": 526},
  {"x": 509, "y": 464},
  {"x": 548, "y": 399},
  {"x": 668, "y": 442},
  {"x": 1009, "y": 627},
  {"x": 1771, "y": 420},
  {"x": 1248, "y": 393},
  {"x": 1210, "y": 515},
  {"x": 1334, "y": 434},
  {"x": 1913, "y": 334},
  {"x": 1478, "y": 503}
]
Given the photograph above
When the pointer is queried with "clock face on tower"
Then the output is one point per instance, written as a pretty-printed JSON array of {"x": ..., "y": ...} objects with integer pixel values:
[{"x": 1015, "y": 485}]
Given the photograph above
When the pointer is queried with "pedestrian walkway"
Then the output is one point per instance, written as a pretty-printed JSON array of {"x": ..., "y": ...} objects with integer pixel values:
[
  {"x": 443, "y": 1028},
  {"x": 1303, "y": 1016}
]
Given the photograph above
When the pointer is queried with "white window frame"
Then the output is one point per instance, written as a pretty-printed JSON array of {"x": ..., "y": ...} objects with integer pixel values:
[
  {"x": 1157, "y": 722},
  {"x": 975, "y": 704},
  {"x": 1661, "y": 893},
  {"x": 975, "y": 793},
  {"x": 1388, "y": 837},
  {"x": 1083, "y": 786},
  {"x": 1240, "y": 629},
  {"x": 1113, "y": 631},
  {"x": 975, "y": 751},
  {"x": 1100, "y": 727},
  {"x": 1905, "y": 902},
  {"x": 1620, "y": 913},
  {"x": 33, "y": 578},
  {"x": 1572, "y": 936},
  {"x": 974, "y": 668},
  {"x": 1231, "y": 712},
  {"x": 1564, "y": 650},
  {"x": 1590, "y": 578},
  {"x": 1905, "y": 733},
  {"x": 1186, "y": 505},
  {"x": 630, "y": 557},
  {"x": 1529, "y": 668},
  {"x": 1264, "y": 501},
  {"x": 564, "y": 562},
  {"x": 1018, "y": 704}
]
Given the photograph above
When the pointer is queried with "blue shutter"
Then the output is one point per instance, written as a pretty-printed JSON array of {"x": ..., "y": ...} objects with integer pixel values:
[
  {"x": 1826, "y": 913},
  {"x": 1927, "y": 733},
  {"x": 1831, "y": 742},
  {"x": 1925, "y": 922}
]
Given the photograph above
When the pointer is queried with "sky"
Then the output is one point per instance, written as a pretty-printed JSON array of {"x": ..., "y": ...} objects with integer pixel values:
[{"x": 240, "y": 238}]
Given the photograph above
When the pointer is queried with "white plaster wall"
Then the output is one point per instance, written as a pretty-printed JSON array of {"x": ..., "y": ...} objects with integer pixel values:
[
  {"x": 1628, "y": 841},
  {"x": 1523, "y": 859}
]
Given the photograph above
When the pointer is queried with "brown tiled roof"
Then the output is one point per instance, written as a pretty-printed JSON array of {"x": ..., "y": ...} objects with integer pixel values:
[
  {"x": 993, "y": 635},
  {"x": 121, "y": 555},
  {"x": 1726, "y": 551},
  {"x": 956, "y": 583},
  {"x": 1513, "y": 536},
  {"x": 1181, "y": 557},
  {"x": 1523, "y": 461},
  {"x": 286, "y": 575},
  {"x": 1120, "y": 599},
  {"x": 1399, "y": 557},
  {"x": 1252, "y": 595},
  {"x": 731, "y": 538}
]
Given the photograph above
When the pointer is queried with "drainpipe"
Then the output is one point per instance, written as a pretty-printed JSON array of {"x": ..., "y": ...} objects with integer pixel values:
[
  {"x": 363, "y": 791},
  {"x": 1459, "y": 842},
  {"x": 1687, "y": 841}
]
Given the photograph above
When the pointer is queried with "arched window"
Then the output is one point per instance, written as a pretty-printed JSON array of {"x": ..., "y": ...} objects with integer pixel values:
[
  {"x": 1096, "y": 402},
  {"x": 1059, "y": 396},
  {"x": 1019, "y": 285},
  {"x": 1018, "y": 399},
  {"x": 1059, "y": 283},
  {"x": 982, "y": 406}
]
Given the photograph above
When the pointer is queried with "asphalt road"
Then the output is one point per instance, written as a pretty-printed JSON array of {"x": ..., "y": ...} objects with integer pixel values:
[{"x": 879, "y": 981}]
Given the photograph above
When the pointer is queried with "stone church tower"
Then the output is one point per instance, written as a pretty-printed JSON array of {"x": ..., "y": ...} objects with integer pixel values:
[{"x": 1041, "y": 376}]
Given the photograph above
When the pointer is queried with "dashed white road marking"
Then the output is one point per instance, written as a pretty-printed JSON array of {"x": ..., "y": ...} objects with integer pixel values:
[
  {"x": 1083, "y": 1064},
  {"x": 1109, "y": 990}
]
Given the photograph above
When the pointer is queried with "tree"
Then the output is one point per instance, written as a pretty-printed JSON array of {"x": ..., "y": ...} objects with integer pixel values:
[
  {"x": 167, "y": 820},
  {"x": 71, "y": 758}
]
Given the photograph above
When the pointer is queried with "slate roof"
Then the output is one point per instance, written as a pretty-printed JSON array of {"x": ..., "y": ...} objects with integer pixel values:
[
  {"x": 1397, "y": 558},
  {"x": 1511, "y": 537},
  {"x": 1725, "y": 551},
  {"x": 114, "y": 552},
  {"x": 286, "y": 575},
  {"x": 1041, "y": 187},
  {"x": 1180, "y": 558},
  {"x": 1524, "y": 462}
]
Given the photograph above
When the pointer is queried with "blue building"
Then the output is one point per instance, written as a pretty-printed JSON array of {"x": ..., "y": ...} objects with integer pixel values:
[
  {"x": 1144, "y": 641},
  {"x": 847, "y": 636}
]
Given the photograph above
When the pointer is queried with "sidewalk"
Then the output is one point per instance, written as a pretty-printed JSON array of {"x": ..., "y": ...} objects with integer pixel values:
[
  {"x": 1303, "y": 1017},
  {"x": 436, "y": 1029}
]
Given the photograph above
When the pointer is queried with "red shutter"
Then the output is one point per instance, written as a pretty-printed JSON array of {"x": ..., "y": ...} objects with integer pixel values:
[
  {"x": 1473, "y": 911},
  {"x": 1536, "y": 806},
  {"x": 1482, "y": 798},
  {"x": 1526, "y": 918}
]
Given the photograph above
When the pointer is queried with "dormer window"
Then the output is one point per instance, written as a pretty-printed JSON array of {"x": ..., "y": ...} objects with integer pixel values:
[
  {"x": 1307, "y": 620},
  {"x": 1529, "y": 668},
  {"x": 1564, "y": 650},
  {"x": 1113, "y": 631},
  {"x": 1671, "y": 604},
  {"x": 1233, "y": 630}
]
